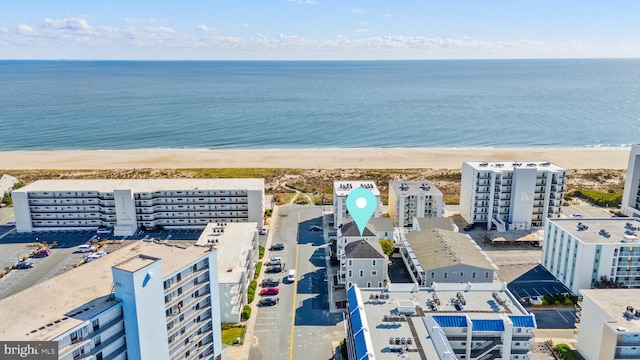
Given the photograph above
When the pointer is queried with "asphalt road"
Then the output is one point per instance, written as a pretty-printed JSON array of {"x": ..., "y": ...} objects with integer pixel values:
[{"x": 313, "y": 327}]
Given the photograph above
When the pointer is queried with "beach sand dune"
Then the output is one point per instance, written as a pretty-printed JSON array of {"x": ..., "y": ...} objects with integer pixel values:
[{"x": 572, "y": 158}]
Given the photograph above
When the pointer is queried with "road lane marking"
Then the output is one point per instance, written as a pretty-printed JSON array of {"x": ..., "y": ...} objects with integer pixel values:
[{"x": 295, "y": 290}]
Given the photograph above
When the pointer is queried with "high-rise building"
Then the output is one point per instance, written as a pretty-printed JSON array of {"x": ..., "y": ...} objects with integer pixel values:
[
  {"x": 341, "y": 189},
  {"x": 583, "y": 252},
  {"x": 125, "y": 205},
  {"x": 145, "y": 301},
  {"x": 413, "y": 199},
  {"x": 511, "y": 195},
  {"x": 631, "y": 197}
]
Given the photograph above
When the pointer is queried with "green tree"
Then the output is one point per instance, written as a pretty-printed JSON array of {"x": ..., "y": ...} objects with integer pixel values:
[{"x": 387, "y": 246}]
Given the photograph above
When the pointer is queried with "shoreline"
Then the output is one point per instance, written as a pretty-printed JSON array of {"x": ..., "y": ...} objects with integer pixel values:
[{"x": 322, "y": 158}]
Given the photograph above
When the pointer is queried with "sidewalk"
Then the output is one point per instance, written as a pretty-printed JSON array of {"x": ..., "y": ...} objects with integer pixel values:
[{"x": 241, "y": 352}]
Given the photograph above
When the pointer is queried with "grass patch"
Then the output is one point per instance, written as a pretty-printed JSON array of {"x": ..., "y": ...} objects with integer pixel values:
[
  {"x": 231, "y": 332},
  {"x": 242, "y": 172},
  {"x": 260, "y": 252},
  {"x": 600, "y": 198},
  {"x": 258, "y": 268}
]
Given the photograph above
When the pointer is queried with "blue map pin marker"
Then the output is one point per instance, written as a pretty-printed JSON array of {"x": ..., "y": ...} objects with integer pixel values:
[{"x": 361, "y": 204}]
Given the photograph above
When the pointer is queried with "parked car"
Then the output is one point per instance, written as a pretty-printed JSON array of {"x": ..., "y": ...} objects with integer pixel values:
[
  {"x": 103, "y": 231},
  {"x": 24, "y": 265},
  {"x": 292, "y": 276},
  {"x": 85, "y": 248},
  {"x": 96, "y": 255},
  {"x": 270, "y": 282},
  {"x": 274, "y": 261},
  {"x": 269, "y": 291},
  {"x": 315, "y": 228},
  {"x": 576, "y": 215},
  {"x": 273, "y": 269},
  {"x": 278, "y": 246},
  {"x": 263, "y": 231},
  {"x": 268, "y": 301},
  {"x": 469, "y": 227},
  {"x": 41, "y": 253},
  {"x": 11, "y": 223}
]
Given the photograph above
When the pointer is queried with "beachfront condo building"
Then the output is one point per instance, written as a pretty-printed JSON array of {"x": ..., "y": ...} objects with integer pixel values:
[
  {"x": 446, "y": 321},
  {"x": 511, "y": 195},
  {"x": 144, "y": 301},
  {"x": 585, "y": 253},
  {"x": 126, "y": 205},
  {"x": 631, "y": 197},
  {"x": 609, "y": 324},
  {"x": 237, "y": 247},
  {"x": 409, "y": 200},
  {"x": 341, "y": 189}
]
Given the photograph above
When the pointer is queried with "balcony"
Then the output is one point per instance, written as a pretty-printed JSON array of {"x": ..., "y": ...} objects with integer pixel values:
[
  {"x": 107, "y": 342},
  {"x": 628, "y": 263},
  {"x": 177, "y": 298},
  {"x": 188, "y": 319},
  {"x": 193, "y": 275},
  {"x": 203, "y": 330},
  {"x": 116, "y": 353},
  {"x": 200, "y": 336}
]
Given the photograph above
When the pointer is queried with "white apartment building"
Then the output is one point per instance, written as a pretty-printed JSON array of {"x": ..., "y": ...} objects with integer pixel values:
[
  {"x": 366, "y": 264},
  {"x": 237, "y": 248},
  {"x": 631, "y": 196},
  {"x": 341, "y": 189},
  {"x": 6, "y": 184},
  {"x": 579, "y": 252},
  {"x": 145, "y": 301},
  {"x": 511, "y": 195},
  {"x": 443, "y": 256},
  {"x": 609, "y": 324},
  {"x": 414, "y": 199},
  {"x": 449, "y": 321},
  {"x": 125, "y": 205}
]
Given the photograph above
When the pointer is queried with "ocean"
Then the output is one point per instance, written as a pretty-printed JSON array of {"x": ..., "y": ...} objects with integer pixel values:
[{"x": 80, "y": 105}]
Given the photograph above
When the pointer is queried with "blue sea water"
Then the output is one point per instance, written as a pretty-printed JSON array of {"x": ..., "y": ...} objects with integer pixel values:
[{"x": 77, "y": 105}]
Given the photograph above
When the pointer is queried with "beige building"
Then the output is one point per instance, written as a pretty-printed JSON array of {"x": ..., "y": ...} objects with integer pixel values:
[
  {"x": 409, "y": 200},
  {"x": 631, "y": 196},
  {"x": 609, "y": 324}
]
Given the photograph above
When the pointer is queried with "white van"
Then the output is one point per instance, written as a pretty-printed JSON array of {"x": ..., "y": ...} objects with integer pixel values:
[{"x": 292, "y": 276}]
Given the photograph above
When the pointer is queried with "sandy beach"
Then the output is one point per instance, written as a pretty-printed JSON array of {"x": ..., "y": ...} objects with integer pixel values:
[{"x": 572, "y": 158}]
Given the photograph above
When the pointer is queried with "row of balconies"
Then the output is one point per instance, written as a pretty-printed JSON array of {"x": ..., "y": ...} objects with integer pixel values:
[
  {"x": 189, "y": 193},
  {"x": 36, "y": 202},
  {"x": 162, "y": 201},
  {"x": 191, "y": 215},
  {"x": 157, "y": 208},
  {"x": 67, "y": 195},
  {"x": 169, "y": 285},
  {"x": 201, "y": 334},
  {"x": 189, "y": 291}
]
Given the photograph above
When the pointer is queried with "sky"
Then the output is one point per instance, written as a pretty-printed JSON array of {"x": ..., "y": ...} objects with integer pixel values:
[{"x": 318, "y": 29}]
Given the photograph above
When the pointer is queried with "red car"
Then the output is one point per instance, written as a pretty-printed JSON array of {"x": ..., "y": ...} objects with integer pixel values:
[
  {"x": 269, "y": 291},
  {"x": 42, "y": 253}
]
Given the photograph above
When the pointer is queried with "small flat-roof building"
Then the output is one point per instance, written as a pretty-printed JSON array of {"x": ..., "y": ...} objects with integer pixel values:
[
  {"x": 409, "y": 200},
  {"x": 145, "y": 300},
  {"x": 631, "y": 196},
  {"x": 341, "y": 189},
  {"x": 438, "y": 223},
  {"x": 448, "y": 321},
  {"x": 609, "y": 324},
  {"x": 443, "y": 256},
  {"x": 511, "y": 195},
  {"x": 237, "y": 247},
  {"x": 582, "y": 252}
]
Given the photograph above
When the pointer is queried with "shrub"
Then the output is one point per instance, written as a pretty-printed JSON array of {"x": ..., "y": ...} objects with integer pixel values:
[
  {"x": 387, "y": 246},
  {"x": 25, "y": 258},
  {"x": 268, "y": 213},
  {"x": 565, "y": 352},
  {"x": 2, "y": 274},
  {"x": 7, "y": 200},
  {"x": 258, "y": 268},
  {"x": 246, "y": 312},
  {"x": 260, "y": 252},
  {"x": 599, "y": 198},
  {"x": 251, "y": 291},
  {"x": 568, "y": 302}
]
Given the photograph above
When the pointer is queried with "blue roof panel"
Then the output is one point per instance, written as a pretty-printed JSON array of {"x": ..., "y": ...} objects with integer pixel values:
[
  {"x": 451, "y": 320},
  {"x": 487, "y": 325},
  {"x": 522, "y": 321},
  {"x": 352, "y": 299},
  {"x": 361, "y": 345},
  {"x": 356, "y": 321}
]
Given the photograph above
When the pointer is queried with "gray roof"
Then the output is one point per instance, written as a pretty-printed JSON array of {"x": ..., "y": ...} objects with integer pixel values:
[
  {"x": 363, "y": 250},
  {"x": 351, "y": 229},
  {"x": 381, "y": 224},
  {"x": 438, "y": 223},
  {"x": 436, "y": 248},
  {"x": 616, "y": 227},
  {"x": 414, "y": 187}
]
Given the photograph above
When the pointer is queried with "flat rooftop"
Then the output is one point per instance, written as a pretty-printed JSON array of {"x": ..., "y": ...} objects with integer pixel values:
[
  {"x": 48, "y": 307},
  {"x": 344, "y": 187},
  {"x": 233, "y": 242},
  {"x": 437, "y": 248},
  {"x": 510, "y": 165},
  {"x": 424, "y": 187},
  {"x": 614, "y": 303},
  {"x": 444, "y": 223},
  {"x": 143, "y": 185},
  {"x": 382, "y": 224},
  {"x": 480, "y": 304},
  {"x": 616, "y": 227}
]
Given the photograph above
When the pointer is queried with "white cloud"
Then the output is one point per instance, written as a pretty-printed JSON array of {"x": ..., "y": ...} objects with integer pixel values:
[
  {"x": 387, "y": 15},
  {"x": 308, "y": 2},
  {"x": 3, "y": 30},
  {"x": 357, "y": 11},
  {"x": 360, "y": 30},
  {"x": 77, "y": 25},
  {"x": 150, "y": 20},
  {"x": 202, "y": 27},
  {"x": 24, "y": 29}
]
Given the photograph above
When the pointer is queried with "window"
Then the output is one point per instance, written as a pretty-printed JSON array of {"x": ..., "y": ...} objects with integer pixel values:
[
  {"x": 350, "y": 273},
  {"x": 445, "y": 275},
  {"x": 99, "y": 356},
  {"x": 461, "y": 274},
  {"x": 374, "y": 263},
  {"x": 361, "y": 273},
  {"x": 96, "y": 324},
  {"x": 486, "y": 274},
  {"x": 473, "y": 275},
  {"x": 374, "y": 273},
  {"x": 350, "y": 263},
  {"x": 433, "y": 275},
  {"x": 368, "y": 284},
  {"x": 97, "y": 341}
]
